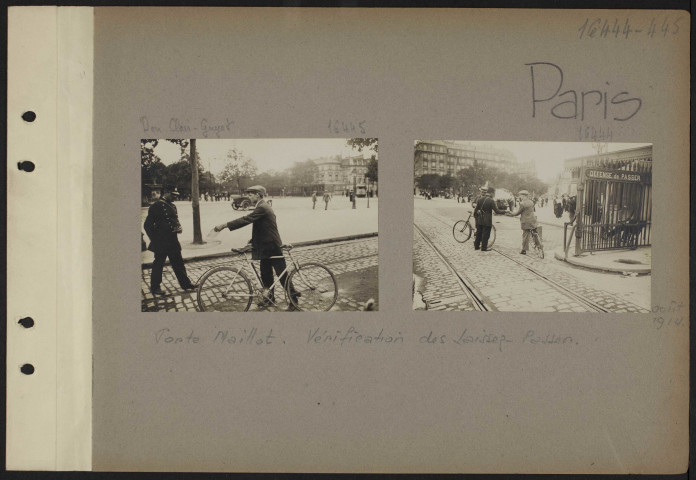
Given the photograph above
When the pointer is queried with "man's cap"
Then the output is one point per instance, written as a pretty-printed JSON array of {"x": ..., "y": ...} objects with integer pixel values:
[
  {"x": 170, "y": 188},
  {"x": 257, "y": 189},
  {"x": 524, "y": 192}
]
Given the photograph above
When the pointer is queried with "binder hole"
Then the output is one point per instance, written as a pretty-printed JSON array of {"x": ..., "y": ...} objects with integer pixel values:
[
  {"x": 26, "y": 322},
  {"x": 26, "y": 165},
  {"x": 29, "y": 116},
  {"x": 27, "y": 369}
]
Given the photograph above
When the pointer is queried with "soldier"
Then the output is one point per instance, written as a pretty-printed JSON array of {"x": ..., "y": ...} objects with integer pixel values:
[
  {"x": 485, "y": 207},
  {"x": 265, "y": 243},
  {"x": 162, "y": 227}
]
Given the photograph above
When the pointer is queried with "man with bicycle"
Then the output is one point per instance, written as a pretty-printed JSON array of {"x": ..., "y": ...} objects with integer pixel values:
[
  {"x": 265, "y": 243},
  {"x": 485, "y": 206},
  {"x": 528, "y": 220}
]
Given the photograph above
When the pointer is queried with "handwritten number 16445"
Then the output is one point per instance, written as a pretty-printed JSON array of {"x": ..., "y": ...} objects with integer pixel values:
[{"x": 336, "y": 126}]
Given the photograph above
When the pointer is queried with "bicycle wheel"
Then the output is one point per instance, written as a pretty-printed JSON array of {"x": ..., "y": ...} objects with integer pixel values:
[
  {"x": 491, "y": 239},
  {"x": 224, "y": 289},
  {"x": 461, "y": 231},
  {"x": 538, "y": 245},
  {"x": 316, "y": 286}
]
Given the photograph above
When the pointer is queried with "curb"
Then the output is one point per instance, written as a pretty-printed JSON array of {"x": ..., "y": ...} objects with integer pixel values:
[
  {"x": 559, "y": 255},
  {"x": 309, "y": 243}
]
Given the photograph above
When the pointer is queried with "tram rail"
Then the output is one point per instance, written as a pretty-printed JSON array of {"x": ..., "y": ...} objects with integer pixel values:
[
  {"x": 465, "y": 285},
  {"x": 477, "y": 298}
]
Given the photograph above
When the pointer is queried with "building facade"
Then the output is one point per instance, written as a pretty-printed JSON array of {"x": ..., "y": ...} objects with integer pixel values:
[
  {"x": 337, "y": 174},
  {"x": 444, "y": 157}
]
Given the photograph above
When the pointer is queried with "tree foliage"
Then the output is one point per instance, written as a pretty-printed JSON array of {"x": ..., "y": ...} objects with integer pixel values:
[
  {"x": 360, "y": 143},
  {"x": 372, "y": 169},
  {"x": 238, "y": 169},
  {"x": 302, "y": 173},
  {"x": 470, "y": 179}
]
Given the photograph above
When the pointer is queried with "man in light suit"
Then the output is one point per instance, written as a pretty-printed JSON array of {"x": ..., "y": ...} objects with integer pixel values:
[
  {"x": 528, "y": 220},
  {"x": 265, "y": 242}
]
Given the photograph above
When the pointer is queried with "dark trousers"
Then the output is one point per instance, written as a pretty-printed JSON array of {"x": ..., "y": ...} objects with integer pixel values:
[
  {"x": 177, "y": 263},
  {"x": 266, "y": 267},
  {"x": 483, "y": 233}
]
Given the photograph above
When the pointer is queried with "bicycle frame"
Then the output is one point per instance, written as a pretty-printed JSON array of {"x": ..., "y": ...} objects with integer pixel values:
[{"x": 259, "y": 284}]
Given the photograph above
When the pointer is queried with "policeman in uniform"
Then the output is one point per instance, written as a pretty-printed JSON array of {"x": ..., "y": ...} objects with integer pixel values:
[
  {"x": 265, "y": 242},
  {"x": 484, "y": 208},
  {"x": 477, "y": 217},
  {"x": 162, "y": 227}
]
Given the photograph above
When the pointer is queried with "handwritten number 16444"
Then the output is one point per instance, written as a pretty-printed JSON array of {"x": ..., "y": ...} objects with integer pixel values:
[{"x": 604, "y": 28}]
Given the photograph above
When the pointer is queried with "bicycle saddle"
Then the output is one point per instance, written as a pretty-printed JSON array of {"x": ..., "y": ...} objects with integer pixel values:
[
  {"x": 286, "y": 247},
  {"x": 240, "y": 251}
]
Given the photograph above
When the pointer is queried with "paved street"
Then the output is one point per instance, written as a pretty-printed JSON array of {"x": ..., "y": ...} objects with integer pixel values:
[
  {"x": 503, "y": 279},
  {"x": 353, "y": 263}
]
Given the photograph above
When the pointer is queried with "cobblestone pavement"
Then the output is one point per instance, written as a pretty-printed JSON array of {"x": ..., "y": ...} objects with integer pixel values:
[
  {"x": 440, "y": 290},
  {"x": 507, "y": 284},
  {"x": 353, "y": 263}
]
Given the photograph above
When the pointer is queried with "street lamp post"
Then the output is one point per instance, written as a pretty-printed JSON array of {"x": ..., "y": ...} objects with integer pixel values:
[
  {"x": 354, "y": 191},
  {"x": 367, "y": 191}
]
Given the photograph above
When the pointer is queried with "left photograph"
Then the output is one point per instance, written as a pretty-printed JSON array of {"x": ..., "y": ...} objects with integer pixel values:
[{"x": 259, "y": 225}]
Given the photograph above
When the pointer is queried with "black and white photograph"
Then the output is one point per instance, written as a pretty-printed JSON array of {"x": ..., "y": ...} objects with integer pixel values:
[
  {"x": 259, "y": 225},
  {"x": 532, "y": 226}
]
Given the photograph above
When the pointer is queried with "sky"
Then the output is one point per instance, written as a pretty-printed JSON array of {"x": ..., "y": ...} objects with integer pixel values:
[
  {"x": 548, "y": 156},
  {"x": 269, "y": 154}
]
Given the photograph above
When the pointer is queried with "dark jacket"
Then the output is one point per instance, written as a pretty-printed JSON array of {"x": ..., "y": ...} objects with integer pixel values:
[
  {"x": 162, "y": 226},
  {"x": 475, "y": 203},
  {"x": 265, "y": 239},
  {"x": 486, "y": 206}
]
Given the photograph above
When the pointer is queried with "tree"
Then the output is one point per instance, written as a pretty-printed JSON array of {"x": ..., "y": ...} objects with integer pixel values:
[
  {"x": 447, "y": 181},
  {"x": 430, "y": 182},
  {"x": 360, "y": 143},
  {"x": 238, "y": 168},
  {"x": 372, "y": 169},
  {"x": 147, "y": 152},
  {"x": 302, "y": 174}
]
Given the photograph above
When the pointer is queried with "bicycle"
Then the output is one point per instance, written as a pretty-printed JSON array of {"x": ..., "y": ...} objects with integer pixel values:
[
  {"x": 536, "y": 240},
  {"x": 227, "y": 288},
  {"x": 462, "y": 231}
]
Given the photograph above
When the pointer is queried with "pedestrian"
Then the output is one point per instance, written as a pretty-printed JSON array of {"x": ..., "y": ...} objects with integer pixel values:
[
  {"x": 528, "y": 220},
  {"x": 162, "y": 227},
  {"x": 483, "y": 212},
  {"x": 572, "y": 205},
  {"x": 314, "y": 200},
  {"x": 557, "y": 208},
  {"x": 265, "y": 243},
  {"x": 327, "y": 197}
]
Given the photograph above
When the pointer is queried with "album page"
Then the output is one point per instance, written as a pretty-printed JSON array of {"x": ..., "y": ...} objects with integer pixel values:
[{"x": 414, "y": 241}]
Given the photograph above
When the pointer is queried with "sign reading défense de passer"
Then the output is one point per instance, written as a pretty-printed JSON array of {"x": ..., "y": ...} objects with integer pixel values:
[{"x": 617, "y": 175}]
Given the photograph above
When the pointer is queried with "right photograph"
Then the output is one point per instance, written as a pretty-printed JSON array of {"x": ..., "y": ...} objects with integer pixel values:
[{"x": 532, "y": 226}]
